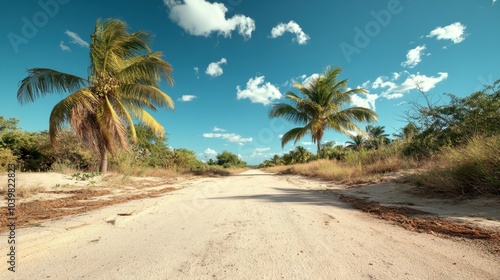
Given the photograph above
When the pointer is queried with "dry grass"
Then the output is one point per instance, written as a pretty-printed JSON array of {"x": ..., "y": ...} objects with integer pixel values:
[
  {"x": 79, "y": 201},
  {"x": 344, "y": 172},
  {"x": 29, "y": 191},
  {"x": 468, "y": 171}
]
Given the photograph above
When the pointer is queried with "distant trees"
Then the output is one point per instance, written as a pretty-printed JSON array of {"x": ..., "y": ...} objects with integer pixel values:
[
  {"x": 228, "y": 159},
  {"x": 453, "y": 124},
  {"x": 322, "y": 105},
  {"x": 124, "y": 76}
]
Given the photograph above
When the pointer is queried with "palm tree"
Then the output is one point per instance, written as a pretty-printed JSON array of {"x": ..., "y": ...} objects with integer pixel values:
[
  {"x": 321, "y": 106},
  {"x": 377, "y": 136},
  {"x": 123, "y": 79},
  {"x": 301, "y": 154},
  {"x": 357, "y": 143},
  {"x": 276, "y": 160}
]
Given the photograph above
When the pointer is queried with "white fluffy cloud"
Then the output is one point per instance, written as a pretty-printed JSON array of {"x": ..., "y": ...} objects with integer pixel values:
[
  {"x": 293, "y": 28},
  {"x": 454, "y": 32},
  {"x": 261, "y": 153},
  {"x": 202, "y": 18},
  {"x": 258, "y": 91},
  {"x": 230, "y": 137},
  {"x": 209, "y": 152},
  {"x": 218, "y": 129},
  {"x": 187, "y": 98},
  {"x": 64, "y": 47},
  {"x": 365, "y": 101},
  {"x": 76, "y": 39},
  {"x": 214, "y": 69},
  {"x": 307, "y": 143},
  {"x": 413, "y": 81},
  {"x": 413, "y": 57}
]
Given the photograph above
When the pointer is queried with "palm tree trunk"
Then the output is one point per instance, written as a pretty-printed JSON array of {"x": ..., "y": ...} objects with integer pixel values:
[
  {"x": 319, "y": 147},
  {"x": 104, "y": 161}
]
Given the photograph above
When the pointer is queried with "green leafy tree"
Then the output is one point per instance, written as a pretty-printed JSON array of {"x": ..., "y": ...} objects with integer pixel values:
[
  {"x": 322, "y": 105},
  {"x": 228, "y": 159},
  {"x": 123, "y": 80},
  {"x": 150, "y": 148}
]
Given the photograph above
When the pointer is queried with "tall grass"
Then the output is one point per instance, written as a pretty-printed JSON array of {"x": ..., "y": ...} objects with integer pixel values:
[
  {"x": 358, "y": 166},
  {"x": 470, "y": 170}
]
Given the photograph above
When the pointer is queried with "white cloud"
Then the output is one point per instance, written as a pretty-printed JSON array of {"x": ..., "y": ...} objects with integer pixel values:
[
  {"x": 493, "y": 2},
  {"x": 187, "y": 98},
  {"x": 64, "y": 47},
  {"x": 413, "y": 81},
  {"x": 454, "y": 32},
  {"x": 396, "y": 75},
  {"x": 218, "y": 129},
  {"x": 280, "y": 136},
  {"x": 209, "y": 152},
  {"x": 214, "y": 68},
  {"x": 365, "y": 85},
  {"x": 307, "y": 143},
  {"x": 231, "y": 137},
  {"x": 261, "y": 153},
  {"x": 368, "y": 101},
  {"x": 76, "y": 39},
  {"x": 202, "y": 18},
  {"x": 293, "y": 28},
  {"x": 413, "y": 57},
  {"x": 258, "y": 91}
]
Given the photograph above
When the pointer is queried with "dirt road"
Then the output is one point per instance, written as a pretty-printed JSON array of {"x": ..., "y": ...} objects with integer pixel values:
[{"x": 249, "y": 226}]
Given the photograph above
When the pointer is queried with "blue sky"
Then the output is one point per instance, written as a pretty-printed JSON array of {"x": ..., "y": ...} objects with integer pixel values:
[{"x": 232, "y": 59}]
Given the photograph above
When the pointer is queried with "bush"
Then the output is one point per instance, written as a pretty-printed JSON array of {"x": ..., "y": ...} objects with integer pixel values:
[
  {"x": 6, "y": 158},
  {"x": 228, "y": 159},
  {"x": 470, "y": 170}
]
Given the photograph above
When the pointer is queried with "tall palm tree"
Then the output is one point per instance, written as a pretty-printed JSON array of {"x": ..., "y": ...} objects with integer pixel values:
[
  {"x": 321, "y": 106},
  {"x": 123, "y": 79}
]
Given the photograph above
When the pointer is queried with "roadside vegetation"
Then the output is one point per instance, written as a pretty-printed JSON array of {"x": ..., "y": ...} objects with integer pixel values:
[
  {"x": 149, "y": 156},
  {"x": 454, "y": 147},
  {"x": 448, "y": 150}
]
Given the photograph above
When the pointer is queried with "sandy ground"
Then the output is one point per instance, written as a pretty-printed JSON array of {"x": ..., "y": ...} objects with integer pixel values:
[{"x": 250, "y": 226}]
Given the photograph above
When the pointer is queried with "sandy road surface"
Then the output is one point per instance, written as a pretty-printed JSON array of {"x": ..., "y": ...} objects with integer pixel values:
[{"x": 250, "y": 226}]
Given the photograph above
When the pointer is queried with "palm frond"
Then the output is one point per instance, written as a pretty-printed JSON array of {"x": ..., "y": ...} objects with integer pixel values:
[
  {"x": 294, "y": 133},
  {"x": 289, "y": 113},
  {"x": 42, "y": 81},
  {"x": 146, "y": 69},
  {"x": 143, "y": 116},
  {"x": 82, "y": 100},
  {"x": 144, "y": 95},
  {"x": 112, "y": 127}
]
